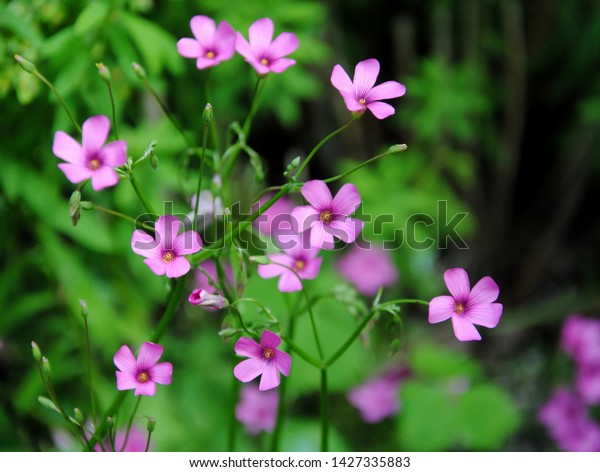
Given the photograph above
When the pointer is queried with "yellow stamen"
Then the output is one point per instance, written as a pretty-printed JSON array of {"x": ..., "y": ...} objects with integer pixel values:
[
  {"x": 264, "y": 62},
  {"x": 300, "y": 265},
  {"x": 143, "y": 377},
  {"x": 210, "y": 55},
  {"x": 326, "y": 216},
  {"x": 362, "y": 101},
  {"x": 168, "y": 256},
  {"x": 95, "y": 164},
  {"x": 268, "y": 353},
  {"x": 459, "y": 308}
]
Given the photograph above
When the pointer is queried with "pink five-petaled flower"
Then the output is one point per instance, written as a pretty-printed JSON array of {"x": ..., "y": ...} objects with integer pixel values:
[
  {"x": 467, "y": 307},
  {"x": 264, "y": 54},
  {"x": 143, "y": 373},
  {"x": 326, "y": 216},
  {"x": 164, "y": 252},
  {"x": 360, "y": 93},
  {"x": 264, "y": 359},
  {"x": 375, "y": 261},
  {"x": 92, "y": 159},
  {"x": 211, "y": 45},
  {"x": 302, "y": 260},
  {"x": 257, "y": 410}
]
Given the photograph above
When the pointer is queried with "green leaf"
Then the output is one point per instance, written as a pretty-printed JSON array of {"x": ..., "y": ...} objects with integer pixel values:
[
  {"x": 47, "y": 403},
  {"x": 439, "y": 363}
]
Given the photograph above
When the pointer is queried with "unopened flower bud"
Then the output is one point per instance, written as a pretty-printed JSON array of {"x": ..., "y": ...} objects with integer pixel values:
[
  {"x": 397, "y": 148},
  {"x": 46, "y": 366},
  {"x": 151, "y": 424},
  {"x": 25, "y": 64},
  {"x": 109, "y": 423},
  {"x": 261, "y": 260},
  {"x": 86, "y": 205},
  {"x": 227, "y": 332},
  {"x": 103, "y": 71},
  {"x": 295, "y": 163},
  {"x": 154, "y": 161},
  {"x": 138, "y": 70},
  {"x": 207, "y": 114},
  {"x": 84, "y": 308},
  {"x": 74, "y": 202},
  {"x": 78, "y": 416},
  {"x": 35, "y": 349},
  {"x": 203, "y": 298}
]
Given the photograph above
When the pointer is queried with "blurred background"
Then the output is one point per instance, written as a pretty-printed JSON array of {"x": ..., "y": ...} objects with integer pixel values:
[{"x": 502, "y": 121}]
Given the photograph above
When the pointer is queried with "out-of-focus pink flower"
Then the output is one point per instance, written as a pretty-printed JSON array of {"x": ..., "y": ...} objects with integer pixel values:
[
  {"x": 360, "y": 93},
  {"x": 377, "y": 398},
  {"x": 202, "y": 298},
  {"x": 587, "y": 382},
  {"x": 581, "y": 339},
  {"x": 368, "y": 269},
  {"x": 262, "y": 52},
  {"x": 143, "y": 373},
  {"x": 209, "y": 207},
  {"x": 326, "y": 216},
  {"x": 276, "y": 221},
  {"x": 136, "y": 442},
  {"x": 165, "y": 251},
  {"x": 467, "y": 307},
  {"x": 209, "y": 266},
  {"x": 257, "y": 410},
  {"x": 568, "y": 423},
  {"x": 210, "y": 45},
  {"x": 264, "y": 359},
  {"x": 302, "y": 260},
  {"x": 92, "y": 159}
]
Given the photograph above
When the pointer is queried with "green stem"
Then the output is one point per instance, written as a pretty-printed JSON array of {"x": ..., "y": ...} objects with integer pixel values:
[
  {"x": 324, "y": 411},
  {"x": 89, "y": 362},
  {"x": 303, "y": 354},
  {"x": 60, "y": 99},
  {"x": 235, "y": 391},
  {"x": 242, "y": 324},
  {"x": 199, "y": 187},
  {"x": 114, "y": 113},
  {"x": 262, "y": 307},
  {"x": 214, "y": 129},
  {"x": 403, "y": 300},
  {"x": 351, "y": 339},
  {"x": 345, "y": 174},
  {"x": 114, "y": 213},
  {"x": 135, "y": 408},
  {"x": 147, "y": 441},
  {"x": 254, "y": 107},
  {"x": 141, "y": 195},
  {"x": 320, "y": 145},
  {"x": 170, "y": 310}
]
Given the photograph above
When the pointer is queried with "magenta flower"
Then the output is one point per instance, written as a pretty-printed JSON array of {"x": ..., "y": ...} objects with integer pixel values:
[
  {"x": 202, "y": 298},
  {"x": 326, "y": 216},
  {"x": 467, "y": 307},
  {"x": 206, "y": 283},
  {"x": 136, "y": 442},
  {"x": 377, "y": 398},
  {"x": 360, "y": 93},
  {"x": 264, "y": 54},
  {"x": 581, "y": 339},
  {"x": 164, "y": 252},
  {"x": 264, "y": 359},
  {"x": 143, "y": 373},
  {"x": 368, "y": 269},
  {"x": 211, "y": 46},
  {"x": 257, "y": 410},
  {"x": 587, "y": 382},
  {"x": 276, "y": 221},
  {"x": 92, "y": 159}
]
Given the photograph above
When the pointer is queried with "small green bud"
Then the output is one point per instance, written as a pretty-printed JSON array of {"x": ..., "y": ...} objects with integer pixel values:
[
  {"x": 138, "y": 70},
  {"x": 25, "y": 64},
  {"x": 74, "y": 203},
  {"x": 86, "y": 205},
  {"x": 207, "y": 114},
  {"x": 227, "y": 332},
  {"x": 154, "y": 161},
  {"x": 46, "y": 366},
  {"x": 109, "y": 423},
  {"x": 35, "y": 349},
  {"x": 295, "y": 163},
  {"x": 261, "y": 260},
  {"x": 84, "y": 308},
  {"x": 78, "y": 416},
  {"x": 397, "y": 148},
  {"x": 103, "y": 71},
  {"x": 151, "y": 424}
]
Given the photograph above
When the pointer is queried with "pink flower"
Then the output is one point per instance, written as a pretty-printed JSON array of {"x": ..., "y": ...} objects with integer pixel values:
[
  {"x": 467, "y": 307},
  {"x": 209, "y": 266},
  {"x": 257, "y": 410},
  {"x": 202, "y": 298},
  {"x": 92, "y": 159},
  {"x": 377, "y": 398},
  {"x": 136, "y": 442},
  {"x": 264, "y": 54},
  {"x": 303, "y": 261},
  {"x": 581, "y": 339},
  {"x": 276, "y": 221},
  {"x": 264, "y": 359},
  {"x": 359, "y": 94},
  {"x": 164, "y": 252},
  {"x": 587, "y": 382},
  {"x": 326, "y": 216},
  {"x": 143, "y": 373},
  {"x": 211, "y": 46},
  {"x": 368, "y": 269}
]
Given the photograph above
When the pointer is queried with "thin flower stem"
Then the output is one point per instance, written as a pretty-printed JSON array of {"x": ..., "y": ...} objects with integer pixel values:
[
  {"x": 351, "y": 339},
  {"x": 258, "y": 88},
  {"x": 302, "y": 353},
  {"x": 135, "y": 408},
  {"x": 89, "y": 362},
  {"x": 403, "y": 300},
  {"x": 201, "y": 173},
  {"x": 263, "y": 308},
  {"x": 115, "y": 213},
  {"x": 114, "y": 112},
  {"x": 242, "y": 324},
  {"x": 214, "y": 129},
  {"x": 60, "y": 99},
  {"x": 141, "y": 195},
  {"x": 170, "y": 310},
  {"x": 345, "y": 174},
  {"x": 147, "y": 441},
  {"x": 324, "y": 411},
  {"x": 320, "y": 145},
  {"x": 231, "y": 433}
]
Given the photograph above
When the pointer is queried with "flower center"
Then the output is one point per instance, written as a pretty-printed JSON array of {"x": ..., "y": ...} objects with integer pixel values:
[
  {"x": 264, "y": 61},
  {"x": 459, "y": 307},
  {"x": 168, "y": 256},
  {"x": 326, "y": 216},
  {"x": 362, "y": 101},
  {"x": 95, "y": 164},
  {"x": 210, "y": 55},
  {"x": 268, "y": 353},
  {"x": 143, "y": 377},
  {"x": 300, "y": 265}
]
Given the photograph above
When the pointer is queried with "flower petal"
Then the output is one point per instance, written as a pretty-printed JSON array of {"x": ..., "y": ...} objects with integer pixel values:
[
  {"x": 317, "y": 194},
  {"x": 249, "y": 369},
  {"x": 156, "y": 265},
  {"x": 162, "y": 373},
  {"x": 149, "y": 355},
  {"x": 365, "y": 75},
  {"x": 457, "y": 281},
  {"x": 386, "y": 90},
  {"x": 144, "y": 244},
  {"x": 224, "y": 42},
  {"x": 261, "y": 34},
  {"x": 270, "y": 377},
  {"x": 114, "y": 154},
  {"x": 247, "y": 347},
  {"x": 189, "y": 242},
  {"x": 303, "y": 217},
  {"x": 321, "y": 237},
  {"x": 190, "y": 48},
  {"x": 311, "y": 269},
  {"x": 177, "y": 267},
  {"x": 203, "y": 29},
  {"x": 381, "y": 110},
  {"x": 243, "y": 47},
  {"x": 441, "y": 308},
  {"x": 347, "y": 229},
  {"x": 346, "y": 201},
  {"x": 126, "y": 381},
  {"x": 146, "y": 388},
  {"x": 75, "y": 173},
  {"x": 65, "y": 147},
  {"x": 166, "y": 230},
  {"x": 289, "y": 282},
  {"x": 464, "y": 330},
  {"x": 269, "y": 339},
  {"x": 283, "y": 361},
  {"x": 104, "y": 177},
  {"x": 341, "y": 81},
  {"x": 95, "y": 131},
  {"x": 484, "y": 314},
  {"x": 125, "y": 360},
  {"x": 280, "y": 65},
  {"x": 484, "y": 291},
  {"x": 284, "y": 44},
  {"x": 273, "y": 270}
]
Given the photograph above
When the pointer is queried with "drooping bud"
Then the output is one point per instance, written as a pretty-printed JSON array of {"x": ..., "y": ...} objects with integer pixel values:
[
  {"x": 261, "y": 260},
  {"x": 227, "y": 332},
  {"x": 46, "y": 366},
  {"x": 86, "y": 205},
  {"x": 35, "y": 349},
  {"x": 207, "y": 114},
  {"x": 201, "y": 297},
  {"x": 154, "y": 161},
  {"x": 151, "y": 424},
  {"x": 397, "y": 148},
  {"x": 138, "y": 70},
  {"x": 27, "y": 66},
  {"x": 103, "y": 71}
]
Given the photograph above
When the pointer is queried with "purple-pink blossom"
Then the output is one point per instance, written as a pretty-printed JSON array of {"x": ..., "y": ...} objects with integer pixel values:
[
  {"x": 262, "y": 52},
  {"x": 143, "y": 373},
  {"x": 136, "y": 442},
  {"x": 295, "y": 264},
  {"x": 360, "y": 94},
  {"x": 377, "y": 398},
  {"x": 327, "y": 216},
  {"x": 91, "y": 159},
  {"x": 257, "y": 410},
  {"x": 204, "y": 299},
  {"x": 211, "y": 45},
  {"x": 467, "y": 307},
  {"x": 276, "y": 221},
  {"x": 164, "y": 252},
  {"x": 265, "y": 360},
  {"x": 368, "y": 269}
]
